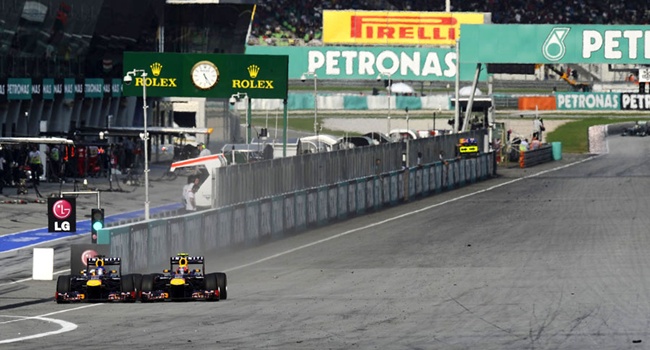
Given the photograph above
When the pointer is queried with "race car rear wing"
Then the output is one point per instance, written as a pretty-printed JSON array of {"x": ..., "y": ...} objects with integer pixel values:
[
  {"x": 178, "y": 260},
  {"x": 103, "y": 261}
]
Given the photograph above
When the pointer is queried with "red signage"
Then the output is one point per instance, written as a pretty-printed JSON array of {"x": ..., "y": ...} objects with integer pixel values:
[
  {"x": 395, "y": 28},
  {"x": 403, "y": 28},
  {"x": 61, "y": 209},
  {"x": 61, "y": 215}
]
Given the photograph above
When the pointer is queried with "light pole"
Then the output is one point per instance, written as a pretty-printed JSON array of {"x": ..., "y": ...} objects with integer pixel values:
[
  {"x": 236, "y": 97},
  {"x": 142, "y": 80},
  {"x": 303, "y": 78},
  {"x": 390, "y": 91}
]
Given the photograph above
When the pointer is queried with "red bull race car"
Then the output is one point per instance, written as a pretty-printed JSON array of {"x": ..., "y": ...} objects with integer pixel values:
[
  {"x": 184, "y": 281},
  {"x": 97, "y": 283}
]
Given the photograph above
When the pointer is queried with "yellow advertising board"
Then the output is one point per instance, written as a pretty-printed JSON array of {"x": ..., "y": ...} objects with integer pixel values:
[{"x": 395, "y": 28}]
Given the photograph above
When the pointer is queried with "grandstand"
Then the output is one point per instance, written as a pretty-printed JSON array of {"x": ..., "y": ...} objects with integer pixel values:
[
  {"x": 299, "y": 23},
  {"x": 301, "y": 20}
]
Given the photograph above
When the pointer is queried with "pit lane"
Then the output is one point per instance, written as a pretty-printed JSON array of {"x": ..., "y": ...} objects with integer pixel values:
[{"x": 556, "y": 259}]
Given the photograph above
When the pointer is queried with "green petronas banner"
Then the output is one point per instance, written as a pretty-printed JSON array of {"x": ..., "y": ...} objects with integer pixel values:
[
  {"x": 206, "y": 75},
  {"x": 366, "y": 62},
  {"x": 508, "y": 43},
  {"x": 19, "y": 88}
]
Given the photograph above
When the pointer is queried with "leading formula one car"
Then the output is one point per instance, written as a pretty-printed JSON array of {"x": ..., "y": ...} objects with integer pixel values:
[
  {"x": 97, "y": 283},
  {"x": 182, "y": 283}
]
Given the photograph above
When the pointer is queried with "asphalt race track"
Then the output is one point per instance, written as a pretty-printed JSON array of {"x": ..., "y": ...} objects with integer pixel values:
[{"x": 556, "y": 259}]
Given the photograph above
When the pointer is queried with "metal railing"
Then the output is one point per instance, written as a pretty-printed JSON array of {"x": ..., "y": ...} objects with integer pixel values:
[
  {"x": 244, "y": 182},
  {"x": 146, "y": 246}
]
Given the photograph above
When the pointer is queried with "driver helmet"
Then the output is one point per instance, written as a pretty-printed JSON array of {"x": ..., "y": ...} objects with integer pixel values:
[
  {"x": 182, "y": 270},
  {"x": 99, "y": 271}
]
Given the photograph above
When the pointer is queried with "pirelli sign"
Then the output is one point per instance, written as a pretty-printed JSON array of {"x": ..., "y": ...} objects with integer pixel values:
[
  {"x": 206, "y": 75},
  {"x": 396, "y": 28}
]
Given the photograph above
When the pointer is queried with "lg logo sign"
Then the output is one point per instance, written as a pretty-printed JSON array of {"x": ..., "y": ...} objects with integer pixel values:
[
  {"x": 62, "y": 209},
  {"x": 62, "y": 215}
]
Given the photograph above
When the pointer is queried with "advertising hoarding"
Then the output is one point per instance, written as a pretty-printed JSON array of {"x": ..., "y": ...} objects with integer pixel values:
[
  {"x": 635, "y": 102},
  {"x": 588, "y": 100},
  {"x": 366, "y": 62},
  {"x": 539, "y": 44},
  {"x": 395, "y": 27}
]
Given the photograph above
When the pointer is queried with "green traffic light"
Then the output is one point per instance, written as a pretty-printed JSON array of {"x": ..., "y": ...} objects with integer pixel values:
[{"x": 98, "y": 225}]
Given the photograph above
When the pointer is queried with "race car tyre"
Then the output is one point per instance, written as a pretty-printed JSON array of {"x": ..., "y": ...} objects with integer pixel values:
[
  {"x": 62, "y": 286},
  {"x": 146, "y": 285},
  {"x": 211, "y": 282},
  {"x": 222, "y": 282},
  {"x": 137, "y": 280},
  {"x": 127, "y": 285}
]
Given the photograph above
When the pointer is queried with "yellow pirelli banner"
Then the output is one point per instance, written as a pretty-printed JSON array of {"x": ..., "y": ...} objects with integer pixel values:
[{"x": 395, "y": 28}]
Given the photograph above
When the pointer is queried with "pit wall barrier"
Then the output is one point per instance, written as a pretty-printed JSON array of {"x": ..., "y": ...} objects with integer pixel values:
[
  {"x": 351, "y": 102},
  {"x": 147, "y": 246},
  {"x": 541, "y": 155},
  {"x": 576, "y": 101}
]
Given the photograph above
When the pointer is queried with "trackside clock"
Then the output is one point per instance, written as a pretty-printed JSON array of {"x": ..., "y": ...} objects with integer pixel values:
[{"x": 205, "y": 75}]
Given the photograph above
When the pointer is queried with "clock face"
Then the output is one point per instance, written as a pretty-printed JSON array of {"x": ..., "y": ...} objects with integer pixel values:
[{"x": 205, "y": 75}]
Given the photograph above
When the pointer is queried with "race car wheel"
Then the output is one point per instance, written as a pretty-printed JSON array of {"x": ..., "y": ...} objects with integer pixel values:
[
  {"x": 222, "y": 282},
  {"x": 211, "y": 282},
  {"x": 127, "y": 285},
  {"x": 62, "y": 286},
  {"x": 137, "y": 281},
  {"x": 146, "y": 285}
]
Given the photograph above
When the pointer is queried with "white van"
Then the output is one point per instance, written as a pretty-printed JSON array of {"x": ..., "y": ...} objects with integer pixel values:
[
  {"x": 402, "y": 135},
  {"x": 320, "y": 143},
  {"x": 202, "y": 167}
]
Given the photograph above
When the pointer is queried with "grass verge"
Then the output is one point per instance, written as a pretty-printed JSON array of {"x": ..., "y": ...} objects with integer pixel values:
[{"x": 574, "y": 135}]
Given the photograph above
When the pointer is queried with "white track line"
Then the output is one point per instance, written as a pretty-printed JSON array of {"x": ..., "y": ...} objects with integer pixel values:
[
  {"x": 30, "y": 279},
  {"x": 65, "y": 325},
  {"x": 405, "y": 215}
]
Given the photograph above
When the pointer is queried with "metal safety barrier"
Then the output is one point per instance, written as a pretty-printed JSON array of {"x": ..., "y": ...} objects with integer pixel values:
[
  {"x": 541, "y": 155},
  {"x": 146, "y": 246}
]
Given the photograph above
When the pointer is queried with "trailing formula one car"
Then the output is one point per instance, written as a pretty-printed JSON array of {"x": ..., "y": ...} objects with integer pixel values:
[
  {"x": 97, "y": 283},
  {"x": 640, "y": 128},
  {"x": 182, "y": 283}
]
